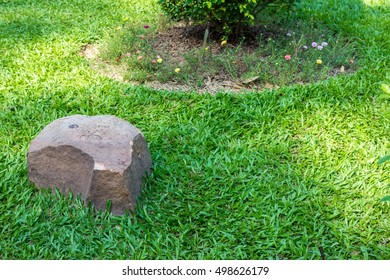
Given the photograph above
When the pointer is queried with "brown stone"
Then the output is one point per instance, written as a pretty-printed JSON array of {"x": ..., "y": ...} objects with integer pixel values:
[{"x": 100, "y": 158}]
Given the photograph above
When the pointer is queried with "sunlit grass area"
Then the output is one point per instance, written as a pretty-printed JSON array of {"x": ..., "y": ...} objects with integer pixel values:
[
  {"x": 275, "y": 174},
  {"x": 377, "y": 2}
]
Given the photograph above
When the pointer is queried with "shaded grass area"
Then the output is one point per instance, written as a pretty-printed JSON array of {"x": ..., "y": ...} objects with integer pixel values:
[{"x": 266, "y": 175}]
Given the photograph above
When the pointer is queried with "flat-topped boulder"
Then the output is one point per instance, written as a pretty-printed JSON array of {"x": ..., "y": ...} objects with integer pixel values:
[{"x": 100, "y": 158}]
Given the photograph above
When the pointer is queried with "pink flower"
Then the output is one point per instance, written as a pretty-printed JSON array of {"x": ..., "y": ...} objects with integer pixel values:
[
  {"x": 146, "y": 26},
  {"x": 314, "y": 44},
  {"x": 128, "y": 54},
  {"x": 153, "y": 61},
  {"x": 319, "y": 47},
  {"x": 140, "y": 57},
  {"x": 324, "y": 44},
  {"x": 287, "y": 57}
]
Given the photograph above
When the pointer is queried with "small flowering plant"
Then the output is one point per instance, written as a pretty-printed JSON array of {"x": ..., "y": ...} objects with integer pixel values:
[
  {"x": 318, "y": 46},
  {"x": 286, "y": 59}
]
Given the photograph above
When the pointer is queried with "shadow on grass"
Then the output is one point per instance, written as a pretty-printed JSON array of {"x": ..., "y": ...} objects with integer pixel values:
[{"x": 34, "y": 20}]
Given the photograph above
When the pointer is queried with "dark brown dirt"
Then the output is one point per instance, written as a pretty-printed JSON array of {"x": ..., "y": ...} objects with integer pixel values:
[{"x": 182, "y": 39}]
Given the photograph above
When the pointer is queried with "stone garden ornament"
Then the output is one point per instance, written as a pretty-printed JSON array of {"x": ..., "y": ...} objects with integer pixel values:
[{"x": 100, "y": 158}]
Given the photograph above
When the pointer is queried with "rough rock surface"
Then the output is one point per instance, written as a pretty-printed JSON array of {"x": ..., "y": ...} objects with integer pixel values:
[{"x": 100, "y": 158}]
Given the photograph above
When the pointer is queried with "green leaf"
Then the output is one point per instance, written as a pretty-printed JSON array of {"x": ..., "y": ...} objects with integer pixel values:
[
  {"x": 386, "y": 88},
  {"x": 386, "y": 198},
  {"x": 383, "y": 96},
  {"x": 384, "y": 159}
]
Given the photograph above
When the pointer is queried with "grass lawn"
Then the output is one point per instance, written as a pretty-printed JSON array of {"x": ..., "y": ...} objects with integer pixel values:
[{"x": 274, "y": 174}]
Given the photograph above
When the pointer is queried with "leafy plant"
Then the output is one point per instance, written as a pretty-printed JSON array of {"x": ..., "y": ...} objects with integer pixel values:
[
  {"x": 227, "y": 16},
  {"x": 386, "y": 90},
  {"x": 381, "y": 161}
]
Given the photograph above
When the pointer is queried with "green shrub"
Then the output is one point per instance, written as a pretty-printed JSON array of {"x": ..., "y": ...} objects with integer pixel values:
[{"x": 228, "y": 16}]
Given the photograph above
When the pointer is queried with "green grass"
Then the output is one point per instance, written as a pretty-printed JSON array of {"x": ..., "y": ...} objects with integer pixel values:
[{"x": 262, "y": 175}]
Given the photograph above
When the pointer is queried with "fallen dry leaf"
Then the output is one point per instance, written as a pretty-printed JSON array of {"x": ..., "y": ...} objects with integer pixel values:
[
  {"x": 250, "y": 80},
  {"x": 271, "y": 86}
]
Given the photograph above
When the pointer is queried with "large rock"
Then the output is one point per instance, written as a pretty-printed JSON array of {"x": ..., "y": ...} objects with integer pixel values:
[{"x": 100, "y": 158}]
